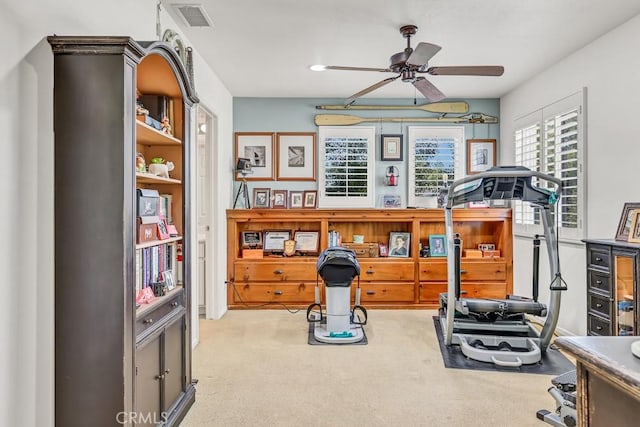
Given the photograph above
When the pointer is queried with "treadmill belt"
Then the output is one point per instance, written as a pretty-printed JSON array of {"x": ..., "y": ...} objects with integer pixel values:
[{"x": 553, "y": 362}]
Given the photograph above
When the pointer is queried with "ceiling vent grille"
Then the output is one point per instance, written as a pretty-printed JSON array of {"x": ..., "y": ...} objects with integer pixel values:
[{"x": 193, "y": 15}]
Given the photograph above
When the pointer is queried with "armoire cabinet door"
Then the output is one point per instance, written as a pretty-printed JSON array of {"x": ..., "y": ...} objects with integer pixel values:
[
  {"x": 173, "y": 362},
  {"x": 148, "y": 382}
]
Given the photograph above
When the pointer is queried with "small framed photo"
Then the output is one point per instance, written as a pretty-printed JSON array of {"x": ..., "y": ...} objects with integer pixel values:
[
  {"x": 274, "y": 240},
  {"x": 163, "y": 232},
  {"x": 399, "y": 244},
  {"x": 296, "y": 156},
  {"x": 310, "y": 198},
  {"x": 251, "y": 239},
  {"x": 295, "y": 199},
  {"x": 307, "y": 242},
  {"x": 392, "y": 201},
  {"x": 391, "y": 147},
  {"x": 437, "y": 245},
  {"x": 634, "y": 232},
  {"x": 167, "y": 275},
  {"x": 624, "y": 227},
  {"x": 258, "y": 148},
  {"x": 481, "y": 155},
  {"x": 279, "y": 199},
  {"x": 261, "y": 197}
]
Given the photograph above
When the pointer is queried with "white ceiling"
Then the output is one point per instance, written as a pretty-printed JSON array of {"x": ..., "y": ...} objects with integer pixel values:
[{"x": 263, "y": 48}]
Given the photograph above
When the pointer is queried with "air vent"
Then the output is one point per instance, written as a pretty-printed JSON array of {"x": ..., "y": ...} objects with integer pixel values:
[{"x": 193, "y": 15}]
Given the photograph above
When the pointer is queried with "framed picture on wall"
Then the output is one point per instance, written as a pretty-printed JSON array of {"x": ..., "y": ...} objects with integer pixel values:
[
  {"x": 391, "y": 147},
  {"x": 295, "y": 199},
  {"x": 258, "y": 148},
  {"x": 296, "y": 156},
  {"x": 481, "y": 155},
  {"x": 279, "y": 199},
  {"x": 310, "y": 199}
]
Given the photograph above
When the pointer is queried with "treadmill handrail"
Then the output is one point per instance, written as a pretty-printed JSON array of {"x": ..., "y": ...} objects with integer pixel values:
[{"x": 501, "y": 174}]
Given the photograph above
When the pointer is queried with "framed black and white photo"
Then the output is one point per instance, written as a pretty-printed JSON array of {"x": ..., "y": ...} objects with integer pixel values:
[
  {"x": 296, "y": 199},
  {"x": 258, "y": 148},
  {"x": 296, "y": 156},
  {"x": 251, "y": 239},
  {"x": 399, "y": 244},
  {"x": 261, "y": 197},
  {"x": 437, "y": 245},
  {"x": 391, "y": 147},
  {"x": 481, "y": 155},
  {"x": 310, "y": 198},
  {"x": 279, "y": 199},
  {"x": 307, "y": 242},
  {"x": 274, "y": 240},
  {"x": 167, "y": 275}
]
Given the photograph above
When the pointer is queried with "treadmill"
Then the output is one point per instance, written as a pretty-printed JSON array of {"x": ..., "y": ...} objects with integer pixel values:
[{"x": 497, "y": 330}]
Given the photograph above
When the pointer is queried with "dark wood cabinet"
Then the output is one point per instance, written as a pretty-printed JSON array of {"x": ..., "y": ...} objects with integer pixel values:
[
  {"x": 116, "y": 363},
  {"x": 613, "y": 269}
]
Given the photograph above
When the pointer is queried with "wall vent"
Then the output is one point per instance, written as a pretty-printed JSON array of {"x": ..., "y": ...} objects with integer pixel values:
[{"x": 193, "y": 15}]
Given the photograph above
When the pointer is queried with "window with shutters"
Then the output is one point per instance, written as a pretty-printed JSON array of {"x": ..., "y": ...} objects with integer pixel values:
[
  {"x": 436, "y": 159},
  {"x": 347, "y": 160},
  {"x": 552, "y": 140}
]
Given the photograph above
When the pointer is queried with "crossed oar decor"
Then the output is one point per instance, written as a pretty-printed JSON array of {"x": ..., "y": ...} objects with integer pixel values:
[{"x": 346, "y": 119}]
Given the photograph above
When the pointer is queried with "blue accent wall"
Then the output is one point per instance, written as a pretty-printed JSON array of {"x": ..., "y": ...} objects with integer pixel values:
[{"x": 297, "y": 115}]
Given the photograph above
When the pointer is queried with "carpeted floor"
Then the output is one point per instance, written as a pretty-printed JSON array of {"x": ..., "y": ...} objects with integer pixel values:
[{"x": 255, "y": 368}]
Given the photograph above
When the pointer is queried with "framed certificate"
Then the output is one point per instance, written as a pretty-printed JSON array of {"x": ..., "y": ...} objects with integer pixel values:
[
  {"x": 273, "y": 240},
  {"x": 307, "y": 242}
]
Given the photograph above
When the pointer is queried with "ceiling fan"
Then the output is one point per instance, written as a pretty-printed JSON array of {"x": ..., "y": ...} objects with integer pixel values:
[{"x": 410, "y": 62}]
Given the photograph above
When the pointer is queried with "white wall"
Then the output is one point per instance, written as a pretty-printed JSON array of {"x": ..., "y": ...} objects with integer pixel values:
[
  {"x": 26, "y": 182},
  {"x": 608, "y": 68}
]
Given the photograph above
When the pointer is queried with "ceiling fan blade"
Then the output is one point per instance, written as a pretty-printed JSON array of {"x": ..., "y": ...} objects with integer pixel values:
[
  {"x": 423, "y": 53},
  {"x": 371, "y": 88},
  {"x": 335, "y": 67},
  {"x": 429, "y": 91},
  {"x": 479, "y": 70}
]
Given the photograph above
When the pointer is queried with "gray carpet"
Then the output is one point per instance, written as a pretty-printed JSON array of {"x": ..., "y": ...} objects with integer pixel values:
[{"x": 255, "y": 368}]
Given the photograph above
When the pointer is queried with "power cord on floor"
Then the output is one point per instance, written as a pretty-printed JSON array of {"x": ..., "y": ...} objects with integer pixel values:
[{"x": 237, "y": 294}]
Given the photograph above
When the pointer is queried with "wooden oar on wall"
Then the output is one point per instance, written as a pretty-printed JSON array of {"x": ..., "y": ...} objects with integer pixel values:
[
  {"x": 346, "y": 119},
  {"x": 436, "y": 107}
]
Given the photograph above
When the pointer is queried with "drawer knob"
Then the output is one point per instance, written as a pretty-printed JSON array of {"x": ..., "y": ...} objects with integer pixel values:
[
  {"x": 370, "y": 271},
  {"x": 463, "y": 271},
  {"x": 148, "y": 321},
  {"x": 174, "y": 304},
  {"x": 598, "y": 282},
  {"x": 370, "y": 292},
  {"x": 278, "y": 271},
  {"x": 598, "y": 305},
  {"x": 278, "y": 292},
  {"x": 598, "y": 328},
  {"x": 598, "y": 259}
]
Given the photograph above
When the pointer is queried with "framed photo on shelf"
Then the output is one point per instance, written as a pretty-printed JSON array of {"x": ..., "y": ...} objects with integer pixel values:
[
  {"x": 310, "y": 198},
  {"x": 295, "y": 199},
  {"x": 251, "y": 239},
  {"x": 481, "y": 155},
  {"x": 167, "y": 275},
  {"x": 634, "y": 232},
  {"x": 624, "y": 226},
  {"x": 163, "y": 232},
  {"x": 279, "y": 199},
  {"x": 274, "y": 240},
  {"x": 392, "y": 201},
  {"x": 307, "y": 242},
  {"x": 437, "y": 245},
  {"x": 399, "y": 244},
  {"x": 261, "y": 197},
  {"x": 296, "y": 154},
  {"x": 391, "y": 147},
  {"x": 258, "y": 148}
]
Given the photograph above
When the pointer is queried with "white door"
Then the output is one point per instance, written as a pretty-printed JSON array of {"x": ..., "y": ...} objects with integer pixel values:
[{"x": 204, "y": 188}]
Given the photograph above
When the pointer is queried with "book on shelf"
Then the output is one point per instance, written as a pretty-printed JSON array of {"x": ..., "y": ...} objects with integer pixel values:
[{"x": 152, "y": 262}]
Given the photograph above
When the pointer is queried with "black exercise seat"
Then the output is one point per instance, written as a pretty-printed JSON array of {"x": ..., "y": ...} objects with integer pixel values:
[{"x": 514, "y": 305}]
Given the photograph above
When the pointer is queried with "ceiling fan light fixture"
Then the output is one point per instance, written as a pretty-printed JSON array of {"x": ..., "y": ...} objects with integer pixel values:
[{"x": 318, "y": 67}]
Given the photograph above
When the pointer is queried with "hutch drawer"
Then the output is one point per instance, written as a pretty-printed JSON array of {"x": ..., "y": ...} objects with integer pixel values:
[
  {"x": 469, "y": 270},
  {"x": 598, "y": 326},
  {"x": 386, "y": 271},
  {"x": 388, "y": 292},
  {"x": 274, "y": 292},
  {"x": 257, "y": 271},
  {"x": 599, "y": 305},
  {"x": 599, "y": 257},
  {"x": 597, "y": 281},
  {"x": 146, "y": 319}
]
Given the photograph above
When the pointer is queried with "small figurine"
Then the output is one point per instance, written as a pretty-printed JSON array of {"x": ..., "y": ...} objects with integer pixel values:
[
  {"x": 166, "y": 126},
  {"x": 140, "y": 110},
  {"x": 141, "y": 164}
]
